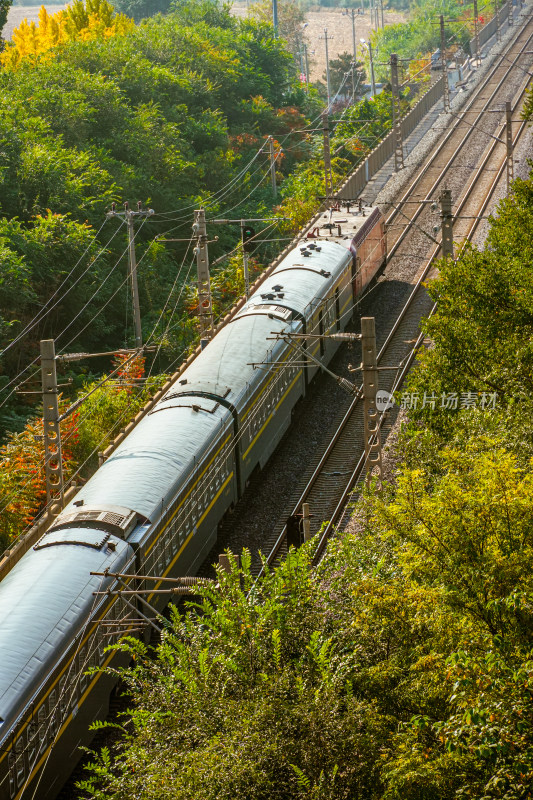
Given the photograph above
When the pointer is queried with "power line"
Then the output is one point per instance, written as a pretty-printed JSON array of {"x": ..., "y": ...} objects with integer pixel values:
[{"x": 40, "y": 315}]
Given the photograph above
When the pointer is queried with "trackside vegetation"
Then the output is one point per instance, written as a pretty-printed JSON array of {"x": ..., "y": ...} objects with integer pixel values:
[
  {"x": 175, "y": 111},
  {"x": 401, "y": 668}
]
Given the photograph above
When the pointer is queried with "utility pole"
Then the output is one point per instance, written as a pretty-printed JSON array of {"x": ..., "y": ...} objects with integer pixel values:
[
  {"x": 306, "y": 69},
  {"x": 382, "y": 15},
  {"x": 372, "y": 76},
  {"x": 444, "y": 60},
  {"x": 53, "y": 462},
  {"x": 497, "y": 15},
  {"x": 205, "y": 304},
  {"x": 328, "y": 181},
  {"x": 476, "y": 34},
  {"x": 354, "y": 43},
  {"x": 510, "y": 17},
  {"x": 354, "y": 62},
  {"x": 509, "y": 141},
  {"x": 272, "y": 165},
  {"x": 396, "y": 114},
  {"x": 445, "y": 200},
  {"x": 326, "y": 38},
  {"x": 370, "y": 411},
  {"x": 245, "y": 259},
  {"x": 129, "y": 217},
  {"x": 275, "y": 17}
]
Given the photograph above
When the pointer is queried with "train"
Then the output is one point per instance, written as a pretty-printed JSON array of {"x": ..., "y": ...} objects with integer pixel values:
[{"x": 154, "y": 505}]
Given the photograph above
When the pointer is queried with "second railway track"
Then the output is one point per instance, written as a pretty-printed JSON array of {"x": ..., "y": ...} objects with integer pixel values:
[{"x": 324, "y": 474}]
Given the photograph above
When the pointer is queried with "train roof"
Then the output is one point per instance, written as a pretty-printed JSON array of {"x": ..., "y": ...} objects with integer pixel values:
[
  {"x": 303, "y": 278},
  {"x": 148, "y": 469},
  {"x": 230, "y": 367},
  {"x": 347, "y": 224},
  {"x": 45, "y": 600}
]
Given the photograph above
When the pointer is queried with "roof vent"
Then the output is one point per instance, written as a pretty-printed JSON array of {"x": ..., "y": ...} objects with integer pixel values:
[
  {"x": 115, "y": 519},
  {"x": 325, "y": 273},
  {"x": 53, "y": 539}
]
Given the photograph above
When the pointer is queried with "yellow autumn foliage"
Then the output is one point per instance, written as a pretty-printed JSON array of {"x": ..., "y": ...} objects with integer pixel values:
[{"x": 81, "y": 20}]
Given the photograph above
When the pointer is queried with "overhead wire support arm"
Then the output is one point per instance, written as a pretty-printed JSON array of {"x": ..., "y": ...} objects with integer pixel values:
[
  {"x": 186, "y": 580},
  {"x": 351, "y": 388},
  {"x": 345, "y": 337}
]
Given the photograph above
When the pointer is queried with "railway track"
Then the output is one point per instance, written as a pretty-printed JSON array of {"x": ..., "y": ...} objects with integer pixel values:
[{"x": 333, "y": 482}]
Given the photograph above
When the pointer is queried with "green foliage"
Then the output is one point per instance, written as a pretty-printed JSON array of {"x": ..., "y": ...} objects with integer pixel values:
[
  {"x": 339, "y": 68},
  {"x": 400, "y": 668},
  {"x": 361, "y": 127},
  {"x": 257, "y": 691},
  {"x": 169, "y": 113},
  {"x": 5, "y": 5},
  {"x": 483, "y": 325},
  {"x": 139, "y": 9},
  {"x": 291, "y": 16},
  {"x": 421, "y": 34}
]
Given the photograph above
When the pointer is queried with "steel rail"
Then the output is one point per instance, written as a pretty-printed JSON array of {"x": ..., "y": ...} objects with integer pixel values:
[
  {"x": 390, "y": 338},
  {"x": 358, "y": 470},
  {"x": 421, "y": 174}
]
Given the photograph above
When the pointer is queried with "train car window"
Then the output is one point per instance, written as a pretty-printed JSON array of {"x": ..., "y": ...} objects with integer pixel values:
[
  {"x": 42, "y": 721},
  {"x": 101, "y": 646},
  {"x": 174, "y": 538},
  {"x": 52, "y": 714},
  {"x": 321, "y": 332},
  {"x": 82, "y": 655},
  {"x": 20, "y": 761},
  {"x": 11, "y": 761},
  {"x": 33, "y": 741},
  {"x": 63, "y": 695}
]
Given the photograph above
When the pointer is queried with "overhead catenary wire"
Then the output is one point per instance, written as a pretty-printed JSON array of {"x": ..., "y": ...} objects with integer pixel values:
[
  {"x": 249, "y": 194},
  {"x": 89, "y": 301},
  {"x": 69, "y": 325},
  {"x": 208, "y": 200},
  {"x": 45, "y": 310}
]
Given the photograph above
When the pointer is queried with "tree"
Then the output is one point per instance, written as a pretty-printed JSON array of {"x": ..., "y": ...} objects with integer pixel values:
[
  {"x": 291, "y": 16},
  {"x": 139, "y": 9},
  {"x": 89, "y": 20},
  {"x": 483, "y": 324},
  {"x": 340, "y": 74},
  {"x": 467, "y": 533},
  {"x": 5, "y": 5}
]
